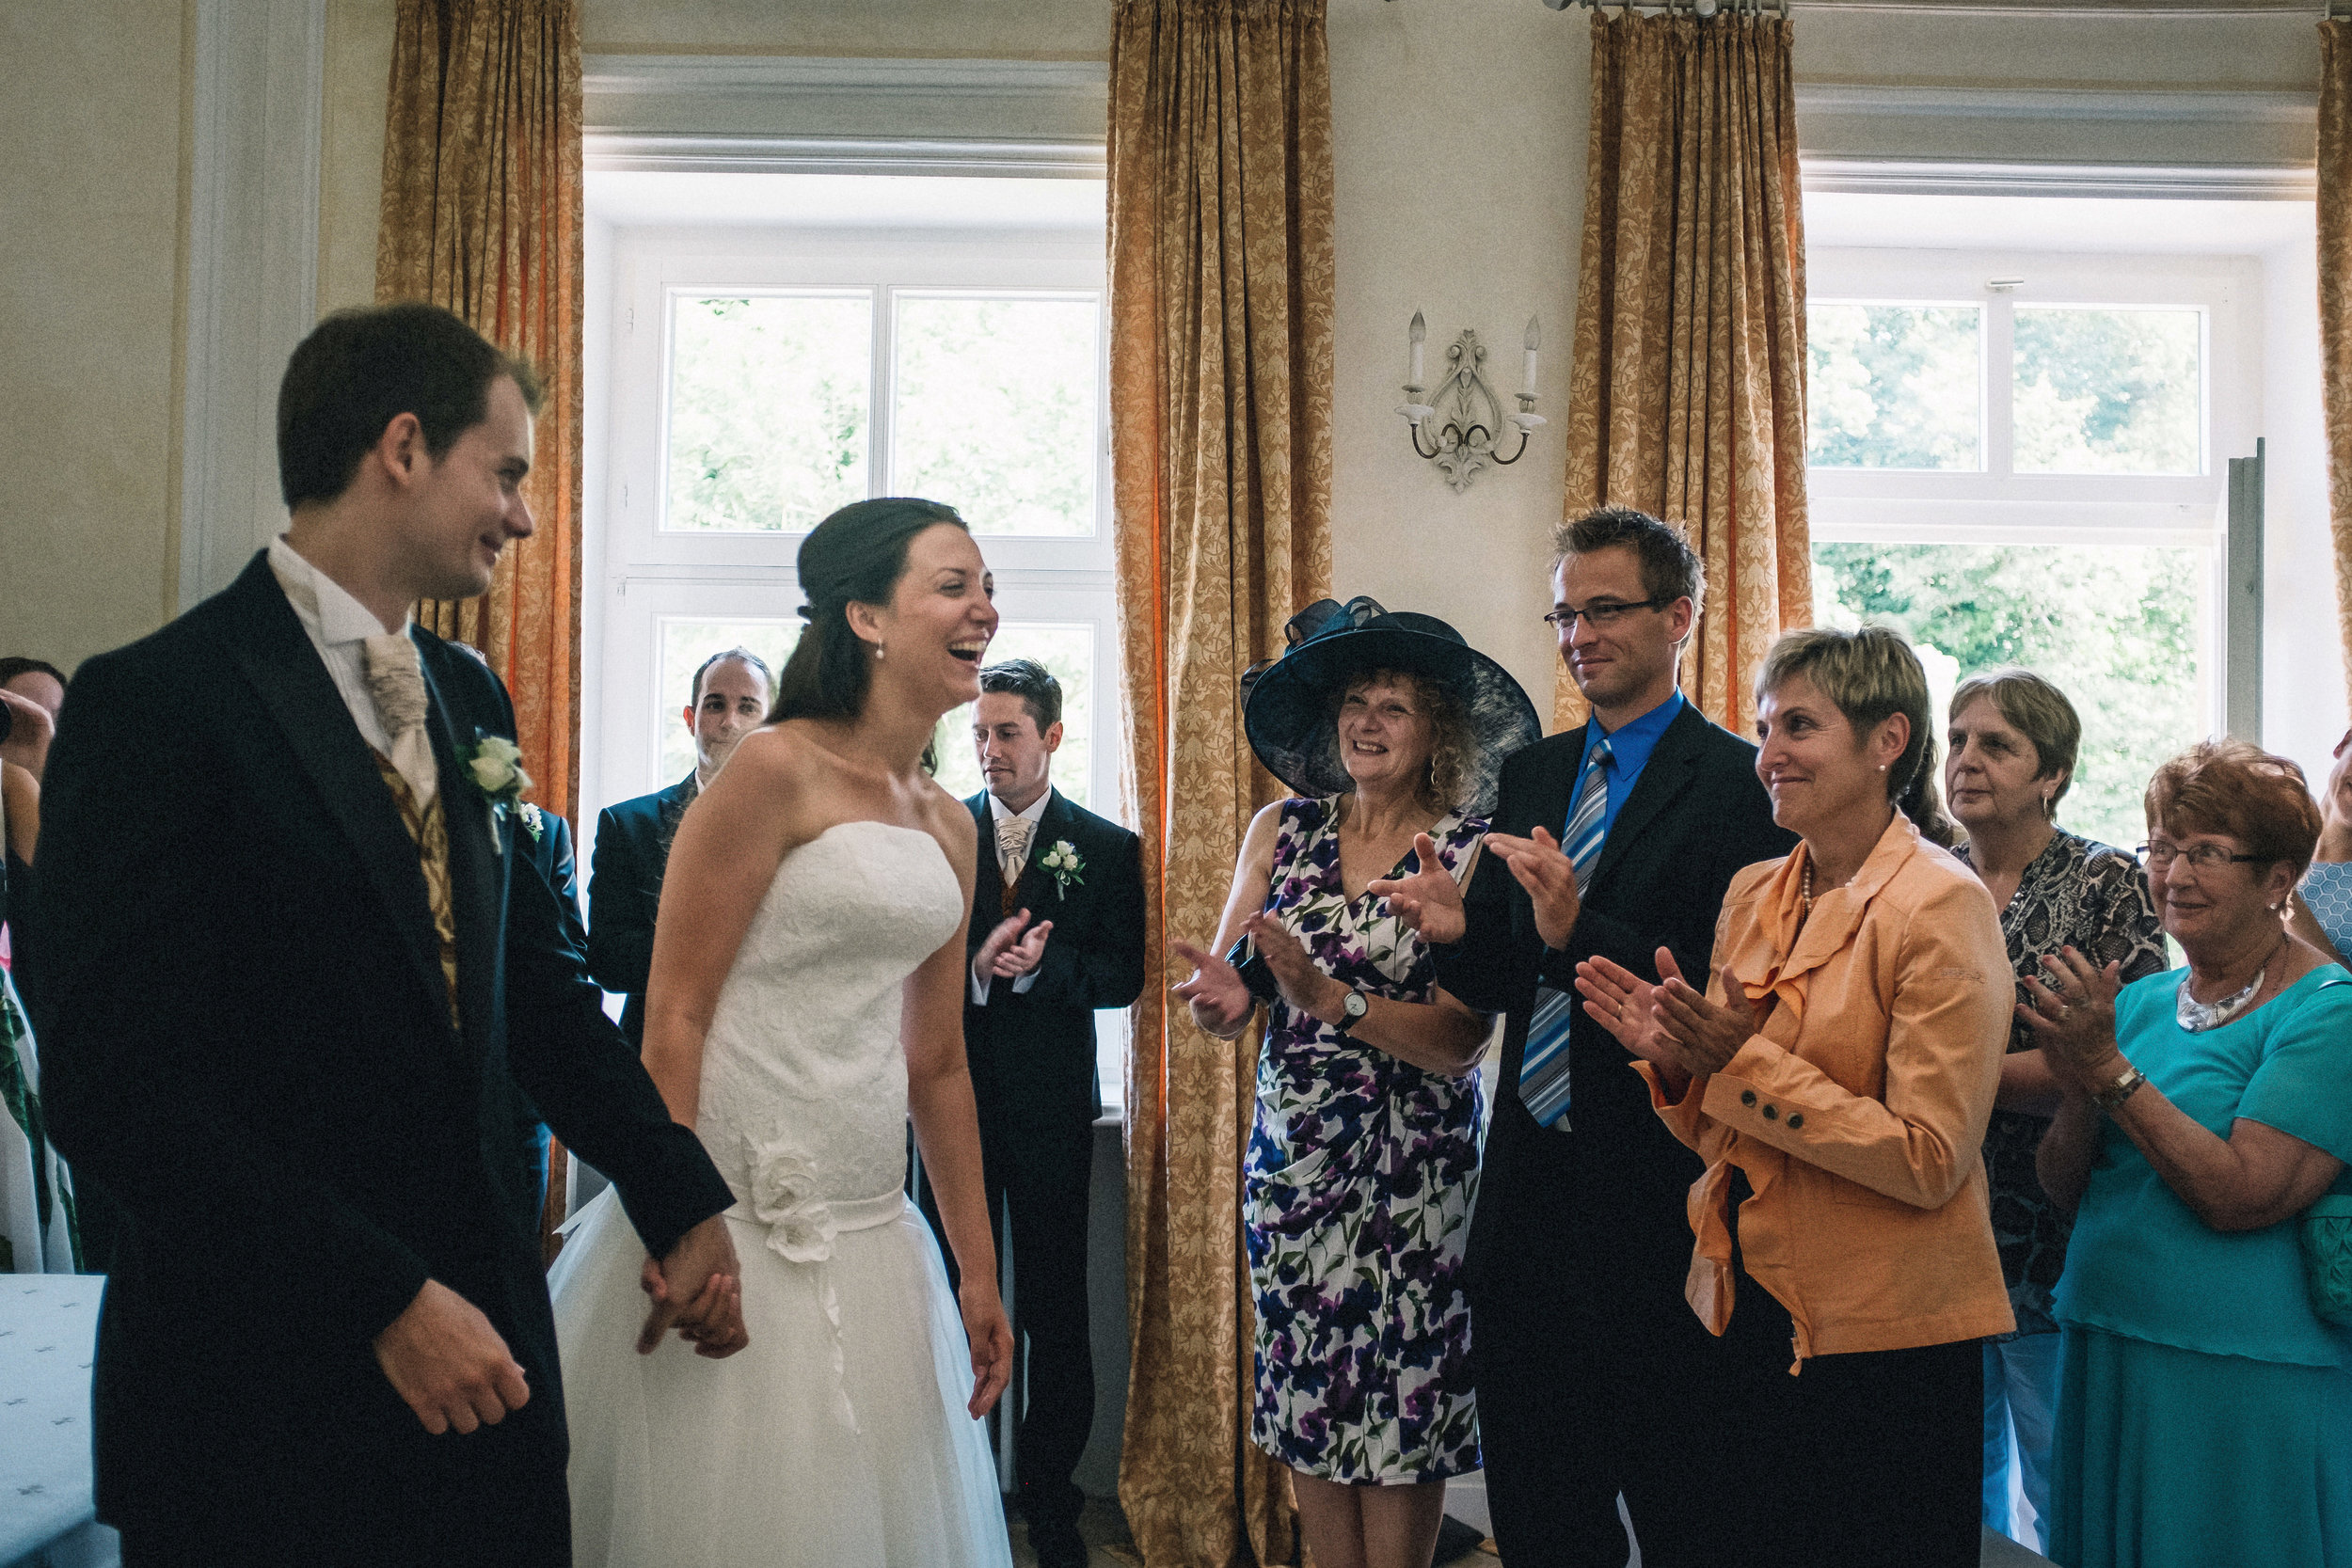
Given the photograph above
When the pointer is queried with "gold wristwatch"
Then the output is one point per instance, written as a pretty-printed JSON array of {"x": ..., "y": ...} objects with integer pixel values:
[{"x": 2120, "y": 1090}]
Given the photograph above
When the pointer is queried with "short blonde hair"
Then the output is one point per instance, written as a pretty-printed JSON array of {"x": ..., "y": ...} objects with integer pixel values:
[
  {"x": 1871, "y": 675},
  {"x": 2040, "y": 712}
]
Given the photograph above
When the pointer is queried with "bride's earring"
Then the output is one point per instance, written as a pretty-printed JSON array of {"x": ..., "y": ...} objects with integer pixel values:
[{"x": 877, "y": 653}]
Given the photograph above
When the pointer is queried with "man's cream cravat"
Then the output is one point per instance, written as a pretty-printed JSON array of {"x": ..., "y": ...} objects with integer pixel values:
[
  {"x": 396, "y": 682},
  {"x": 1012, "y": 847}
]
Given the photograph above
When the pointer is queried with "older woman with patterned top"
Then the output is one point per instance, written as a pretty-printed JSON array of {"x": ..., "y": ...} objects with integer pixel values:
[
  {"x": 2204, "y": 1405},
  {"x": 1360, "y": 1173},
  {"x": 2012, "y": 742},
  {"x": 2321, "y": 910}
]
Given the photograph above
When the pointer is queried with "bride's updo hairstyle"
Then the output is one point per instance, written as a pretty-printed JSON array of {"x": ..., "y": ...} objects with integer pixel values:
[{"x": 856, "y": 556}]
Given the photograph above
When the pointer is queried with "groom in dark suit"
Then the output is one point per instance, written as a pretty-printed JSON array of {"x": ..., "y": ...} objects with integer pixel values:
[
  {"x": 1056, "y": 932},
  {"x": 299, "y": 976},
  {"x": 1616, "y": 837}
]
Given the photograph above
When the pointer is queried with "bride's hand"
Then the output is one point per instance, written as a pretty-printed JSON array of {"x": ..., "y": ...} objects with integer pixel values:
[{"x": 984, "y": 1324}]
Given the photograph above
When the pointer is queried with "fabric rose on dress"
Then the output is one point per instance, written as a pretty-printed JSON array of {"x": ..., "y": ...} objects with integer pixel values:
[{"x": 784, "y": 1199}]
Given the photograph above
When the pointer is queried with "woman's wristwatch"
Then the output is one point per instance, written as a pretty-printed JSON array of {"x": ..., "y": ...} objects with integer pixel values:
[
  {"x": 2125, "y": 1083},
  {"x": 1352, "y": 1010}
]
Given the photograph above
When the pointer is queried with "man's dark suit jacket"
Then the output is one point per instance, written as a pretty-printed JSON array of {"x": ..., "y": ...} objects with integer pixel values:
[
  {"x": 625, "y": 894},
  {"x": 247, "y": 1041},
  {"x": 1032, "y": 1052},
  {"x": 1696, "y": 815}
]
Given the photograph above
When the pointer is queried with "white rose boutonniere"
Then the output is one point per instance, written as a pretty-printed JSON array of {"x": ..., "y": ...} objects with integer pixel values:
[
  {"x": 1063, "y": 863},
  {"x": 534, "y": 821},
  {"x": 494, "y": 765}
]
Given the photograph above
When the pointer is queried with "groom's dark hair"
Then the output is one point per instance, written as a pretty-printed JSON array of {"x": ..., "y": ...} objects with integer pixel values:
[{"x": 359, "y": 370}]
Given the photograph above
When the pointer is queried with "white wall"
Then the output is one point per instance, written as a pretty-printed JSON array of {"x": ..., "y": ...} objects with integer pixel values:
[{"x": 1458, "y": 135}]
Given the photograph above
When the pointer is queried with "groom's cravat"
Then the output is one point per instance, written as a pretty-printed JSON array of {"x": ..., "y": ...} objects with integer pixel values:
[
  {"x": 428, "y": 829},
  {"x": 396, "y": 682},
  {"x": 1544, "y": 1060},
  {"x": 1012, "y": 852}
]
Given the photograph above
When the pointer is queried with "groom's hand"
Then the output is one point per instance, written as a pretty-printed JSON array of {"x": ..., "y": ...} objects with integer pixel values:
[
  {"x": 449, "y": 1365},
  {"x": 697, "y": 1290}
]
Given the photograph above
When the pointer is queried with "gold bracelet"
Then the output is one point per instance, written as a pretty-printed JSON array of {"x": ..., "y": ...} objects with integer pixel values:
[{"x": 2126, "y": 1083}]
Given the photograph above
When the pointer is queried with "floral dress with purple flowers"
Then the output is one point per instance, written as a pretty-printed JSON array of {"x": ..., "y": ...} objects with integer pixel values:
[{"x": 1357, "y": 1196}]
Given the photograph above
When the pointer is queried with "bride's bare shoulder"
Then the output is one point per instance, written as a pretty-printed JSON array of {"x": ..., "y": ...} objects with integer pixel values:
[{"x": 949, "y": 820}]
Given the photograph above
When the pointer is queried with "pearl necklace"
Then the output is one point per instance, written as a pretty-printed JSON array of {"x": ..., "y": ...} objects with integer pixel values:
[{"x": 1805, "y": 891}]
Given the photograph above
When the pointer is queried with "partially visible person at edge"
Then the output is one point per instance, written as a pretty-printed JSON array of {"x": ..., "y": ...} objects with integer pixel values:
[
  {"x": 2204, "y": 1406},
  {"x": 2011, "y": 759},
  {"x": 1363, "y": 1163},
  {"x": 32, "y": 691},
  {"x": 2320, "y": 910},
  {"x": 1617, "y": 836},
  {"x": 729, "y": 700},
  {"x": 1836, "y": 1075}
]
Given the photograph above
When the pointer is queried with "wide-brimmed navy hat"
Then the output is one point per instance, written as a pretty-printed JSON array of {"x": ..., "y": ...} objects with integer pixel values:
[{"x": 1289, "y": 706}]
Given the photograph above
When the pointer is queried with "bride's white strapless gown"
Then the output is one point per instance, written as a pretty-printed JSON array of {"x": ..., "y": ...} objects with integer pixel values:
[{"x": 839, "y": 1438}]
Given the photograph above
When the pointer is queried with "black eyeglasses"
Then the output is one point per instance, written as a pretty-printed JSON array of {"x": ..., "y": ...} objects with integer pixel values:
[
  {"x": 2201, "y": 857},
  {"x": 1602, "y": 613}
]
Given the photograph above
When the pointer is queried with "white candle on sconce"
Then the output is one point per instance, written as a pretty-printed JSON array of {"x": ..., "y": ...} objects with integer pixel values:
[
  {"x": 1415, "y": 335},
  {"x": 1534, "y": 339}
]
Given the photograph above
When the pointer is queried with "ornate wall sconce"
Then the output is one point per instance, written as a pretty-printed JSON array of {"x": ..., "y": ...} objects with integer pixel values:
[{"x": 1463, "y": 416}]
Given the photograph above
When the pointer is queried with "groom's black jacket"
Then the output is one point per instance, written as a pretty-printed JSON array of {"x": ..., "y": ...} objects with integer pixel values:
[{"x": 246, "y": 1043}]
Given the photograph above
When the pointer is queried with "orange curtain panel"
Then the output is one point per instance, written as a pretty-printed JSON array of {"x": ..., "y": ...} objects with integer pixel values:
[
  {"x": 1220, "y": 304},
  {"x": 1687, "y": 395},
  {"x": 2335, "y": 301},
  {"x": 481, "y": 214}
]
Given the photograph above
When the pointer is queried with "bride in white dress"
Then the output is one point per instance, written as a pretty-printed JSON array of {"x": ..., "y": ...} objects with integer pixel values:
[{"x": 807, "y": 995}]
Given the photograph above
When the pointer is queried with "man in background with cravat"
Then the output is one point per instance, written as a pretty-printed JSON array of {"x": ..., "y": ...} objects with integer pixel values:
[
  {"x": 1617, "y": 837},
  {"x": 298, "y": 980},
  {"x": 1028, "y": 1032},
  {"x": 730, "y": 698}
]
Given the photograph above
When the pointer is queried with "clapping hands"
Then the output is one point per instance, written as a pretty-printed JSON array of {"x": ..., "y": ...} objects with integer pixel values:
[
  {"x": 1671, "y": 1025},
  {"x": 1220, "y": 1002},
  {"x": 1006, "y": 953},
  {"x": 1429, "y": 901},
  {"x": 2074, "y": 1021}
]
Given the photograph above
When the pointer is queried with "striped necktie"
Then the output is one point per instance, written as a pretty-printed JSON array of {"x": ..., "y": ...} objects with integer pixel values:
[{"x": 1543, "y": 1061}]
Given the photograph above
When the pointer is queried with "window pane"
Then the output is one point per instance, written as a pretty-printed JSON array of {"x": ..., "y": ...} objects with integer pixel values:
[
  {"x": 2108, "y": 391},
  {"x": 683, "y": 646},
  {"x": 768, "y": 409},
  {"x": 1893, "y": 387},
  {"x": 1068, "y": 651},
  {"x": 2115, "y": 626},
  {"x": 995, "y": 411}
]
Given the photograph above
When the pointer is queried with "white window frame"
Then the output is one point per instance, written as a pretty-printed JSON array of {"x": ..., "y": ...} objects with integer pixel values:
[{"x": 1996, "y": 505}]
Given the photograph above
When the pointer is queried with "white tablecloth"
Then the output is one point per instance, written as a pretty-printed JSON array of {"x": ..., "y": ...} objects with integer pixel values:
[{"x": 48, "y": 1334}]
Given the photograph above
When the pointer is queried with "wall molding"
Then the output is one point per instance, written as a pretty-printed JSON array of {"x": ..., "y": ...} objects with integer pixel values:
[{"x": 252, "y": 284}]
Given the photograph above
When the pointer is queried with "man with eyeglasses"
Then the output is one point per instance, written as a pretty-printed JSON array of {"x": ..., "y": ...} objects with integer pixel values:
[{"x": 1617, "y": 837}]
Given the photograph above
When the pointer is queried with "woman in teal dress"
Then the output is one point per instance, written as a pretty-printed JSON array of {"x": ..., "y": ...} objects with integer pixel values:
[{"x": 2204, "y": 1407}]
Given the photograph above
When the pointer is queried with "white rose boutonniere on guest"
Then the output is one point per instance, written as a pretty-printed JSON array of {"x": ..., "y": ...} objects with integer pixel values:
[
  {"x": 1063, "y": 863},
  {"x": 494, "y": 766}
]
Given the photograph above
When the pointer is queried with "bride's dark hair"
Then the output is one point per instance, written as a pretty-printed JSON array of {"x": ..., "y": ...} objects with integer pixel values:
[{"x": 855, "y": 556}]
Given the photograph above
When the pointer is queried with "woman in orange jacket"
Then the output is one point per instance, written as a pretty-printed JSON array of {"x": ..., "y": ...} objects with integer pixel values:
[{"x": 1835, "y": 1076}]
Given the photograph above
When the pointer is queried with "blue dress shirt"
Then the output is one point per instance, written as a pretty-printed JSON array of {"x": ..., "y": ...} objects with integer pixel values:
[{"x": 1629, "y": 745}]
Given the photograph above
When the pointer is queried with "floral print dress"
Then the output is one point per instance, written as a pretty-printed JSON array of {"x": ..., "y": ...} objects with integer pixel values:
[{"x": 1356, "y": 1194}]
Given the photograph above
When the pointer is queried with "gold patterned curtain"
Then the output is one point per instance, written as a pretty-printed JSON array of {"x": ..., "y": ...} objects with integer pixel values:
[
  {"x": 1687, "y": 395},
  {"x": 1220, "y": 304},
  {"x": 481, "y": 214},
  {"x": 2335, "y": 301}
]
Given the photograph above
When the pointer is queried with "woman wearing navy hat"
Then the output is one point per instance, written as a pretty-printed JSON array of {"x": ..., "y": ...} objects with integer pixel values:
[{"x": 1360, "y": 1173}]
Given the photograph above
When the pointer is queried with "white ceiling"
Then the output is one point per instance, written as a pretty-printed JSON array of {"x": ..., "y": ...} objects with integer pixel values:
[
  {"x": 1843, "y": 220},
  {"x": 639, "y": 199}
]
